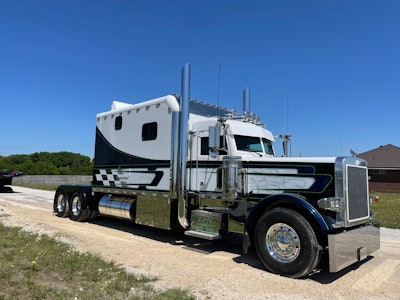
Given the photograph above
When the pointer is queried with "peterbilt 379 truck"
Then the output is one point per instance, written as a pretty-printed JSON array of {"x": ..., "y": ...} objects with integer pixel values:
[{"x": 171, "y": 162}]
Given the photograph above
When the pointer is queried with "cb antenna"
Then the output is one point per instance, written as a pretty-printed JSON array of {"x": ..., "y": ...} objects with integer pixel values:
[
  {"x": 287, "y": 112},
  {"x": 219, "y": 85},
  {"x": 219, "y": 82},
  {"x": 287, "y": 136}
]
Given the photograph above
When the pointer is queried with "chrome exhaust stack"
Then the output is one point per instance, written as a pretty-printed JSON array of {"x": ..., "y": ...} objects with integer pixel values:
[
  {"x": 183, "y": 146},
  {"x": 246, "y": 102}
]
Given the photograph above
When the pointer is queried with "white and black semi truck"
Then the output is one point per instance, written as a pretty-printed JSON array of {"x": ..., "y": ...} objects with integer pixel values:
[{"x": 173, "y": 161}]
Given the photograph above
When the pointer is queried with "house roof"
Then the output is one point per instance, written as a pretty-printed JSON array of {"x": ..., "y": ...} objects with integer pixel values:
[{"x": 382, "y": 157}]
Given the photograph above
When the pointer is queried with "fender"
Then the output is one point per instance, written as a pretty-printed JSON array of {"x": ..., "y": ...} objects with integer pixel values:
[{"x": 286, "y": 200}]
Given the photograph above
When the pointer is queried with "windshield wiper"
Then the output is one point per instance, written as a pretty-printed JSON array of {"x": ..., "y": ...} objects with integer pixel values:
[{"x": 259, "y": 152}]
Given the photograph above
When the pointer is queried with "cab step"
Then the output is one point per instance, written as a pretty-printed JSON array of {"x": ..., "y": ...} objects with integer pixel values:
[
  {"x": 203, "y": 235},
  {"x": 206, "y": 224}
]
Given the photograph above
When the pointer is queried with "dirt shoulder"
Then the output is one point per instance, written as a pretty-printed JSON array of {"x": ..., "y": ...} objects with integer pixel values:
[{"x": 211, "y": 270}]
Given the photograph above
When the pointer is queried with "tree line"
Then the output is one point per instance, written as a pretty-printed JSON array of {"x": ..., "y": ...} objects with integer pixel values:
[{"x": 48, "y": 163}]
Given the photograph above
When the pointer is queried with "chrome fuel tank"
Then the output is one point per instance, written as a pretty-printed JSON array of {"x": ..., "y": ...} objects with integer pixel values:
[{"x": 117, "y": 206}]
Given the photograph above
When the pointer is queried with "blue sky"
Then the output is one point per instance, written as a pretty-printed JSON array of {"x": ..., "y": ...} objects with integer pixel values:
[{"x": 337, "y": 63}]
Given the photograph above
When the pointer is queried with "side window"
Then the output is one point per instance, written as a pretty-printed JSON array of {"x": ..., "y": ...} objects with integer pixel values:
[
  {"x": 204, "y": 146},
  {"x": 118, "y": 123},
  {"x": 149, "y": 131}
]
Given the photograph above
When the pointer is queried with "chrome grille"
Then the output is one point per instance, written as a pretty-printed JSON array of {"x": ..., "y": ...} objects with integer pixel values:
[
  {"x": 351, "y": 185},
  {"x": 357, "y": 193}
]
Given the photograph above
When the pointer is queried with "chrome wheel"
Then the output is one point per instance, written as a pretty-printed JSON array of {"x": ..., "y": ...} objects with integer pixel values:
[
  {"x": 286, "y": 243},
  {"x": 76, "y": 205},
  {"x": 283, "y": 243},
  {"x": 61, "y": 202},
  {"x": 80, "y": 210}
]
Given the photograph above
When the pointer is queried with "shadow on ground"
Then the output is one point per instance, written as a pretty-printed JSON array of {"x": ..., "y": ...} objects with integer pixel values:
[{"x": 231, "y": 244}]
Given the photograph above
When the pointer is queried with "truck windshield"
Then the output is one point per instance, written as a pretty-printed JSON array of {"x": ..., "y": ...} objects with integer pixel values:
[
  {"x": 268, "y": 147},
  {"x": 253, "y": 144}
]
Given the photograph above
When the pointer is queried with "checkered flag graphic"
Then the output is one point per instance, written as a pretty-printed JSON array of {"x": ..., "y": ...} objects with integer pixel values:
[{"x": 109, "y": 177}]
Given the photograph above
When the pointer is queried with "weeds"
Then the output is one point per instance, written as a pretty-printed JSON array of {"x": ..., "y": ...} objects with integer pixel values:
[{"x": 38, "y": 267}]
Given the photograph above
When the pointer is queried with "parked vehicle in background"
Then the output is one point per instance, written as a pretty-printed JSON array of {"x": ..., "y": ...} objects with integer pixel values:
[{"x": 6, "y": 177}]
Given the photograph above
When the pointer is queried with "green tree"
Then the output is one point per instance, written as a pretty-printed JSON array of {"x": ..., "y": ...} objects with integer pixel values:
[{"x": 47, "y": 163}]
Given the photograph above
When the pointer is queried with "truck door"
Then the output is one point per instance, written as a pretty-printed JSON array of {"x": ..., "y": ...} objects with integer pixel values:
[{"x": 205, "y": 170}]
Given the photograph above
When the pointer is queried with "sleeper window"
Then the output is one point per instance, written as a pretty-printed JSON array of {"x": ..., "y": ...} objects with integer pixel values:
[
  {"x": 118, "y": 123},
  {"x": 149, "y": 131}
]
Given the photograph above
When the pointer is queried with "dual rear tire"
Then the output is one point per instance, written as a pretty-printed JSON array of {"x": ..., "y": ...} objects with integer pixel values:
[
  {"x": 72, "y": 205},
  {"x": 61, "y": 204}
]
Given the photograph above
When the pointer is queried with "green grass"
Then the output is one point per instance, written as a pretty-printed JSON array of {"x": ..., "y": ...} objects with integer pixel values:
[
  {"x": 39, "y": 186},
  {"x": 38, "y": 267},
  {"x": 387, "y": 210}
]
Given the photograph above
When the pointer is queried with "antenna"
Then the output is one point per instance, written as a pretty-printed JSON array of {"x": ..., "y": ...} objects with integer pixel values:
[
  {"x": 287, "y": 112},
  {"x": 219, "y": 81},
  {"x": 218, "y": 88},
  {"x": 287, "y": 124}
]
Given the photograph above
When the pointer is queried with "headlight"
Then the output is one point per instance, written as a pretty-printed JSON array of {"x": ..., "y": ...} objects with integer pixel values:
[{"x": 331, "y": 203}]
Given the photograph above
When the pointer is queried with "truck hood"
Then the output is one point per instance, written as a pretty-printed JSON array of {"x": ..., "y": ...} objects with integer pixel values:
[{"x": 251, "y": 157}]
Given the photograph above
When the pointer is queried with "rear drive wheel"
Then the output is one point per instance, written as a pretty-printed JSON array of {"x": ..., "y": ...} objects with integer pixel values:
[
  {"x": 61, "y": 204},
  {"x": 286, "y": 243},
  {"x": 79, "y": 210}
]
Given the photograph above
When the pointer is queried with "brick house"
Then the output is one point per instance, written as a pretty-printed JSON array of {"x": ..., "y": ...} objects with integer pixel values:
[{"x": 383, "y": 168}]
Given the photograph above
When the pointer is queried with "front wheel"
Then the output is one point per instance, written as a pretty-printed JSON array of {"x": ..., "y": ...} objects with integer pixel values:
[{"x": 286, "y": 243}]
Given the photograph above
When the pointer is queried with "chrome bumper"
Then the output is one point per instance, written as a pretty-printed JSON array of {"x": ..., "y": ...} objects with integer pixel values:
[{"x": 351, "y": 246}]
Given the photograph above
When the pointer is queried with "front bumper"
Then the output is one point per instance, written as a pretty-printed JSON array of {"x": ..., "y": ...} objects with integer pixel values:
[{"x": 351, "y": 246}]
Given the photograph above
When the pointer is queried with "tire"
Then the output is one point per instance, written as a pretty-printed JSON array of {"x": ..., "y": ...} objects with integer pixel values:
[
  {"x": 78, "y": 208},
  {"x": 61, "y": 204},
  {"x": 286, "y": 243}
]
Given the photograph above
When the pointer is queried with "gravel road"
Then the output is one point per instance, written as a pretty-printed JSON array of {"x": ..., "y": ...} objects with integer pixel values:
[{"x": 211, "y": 270}]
